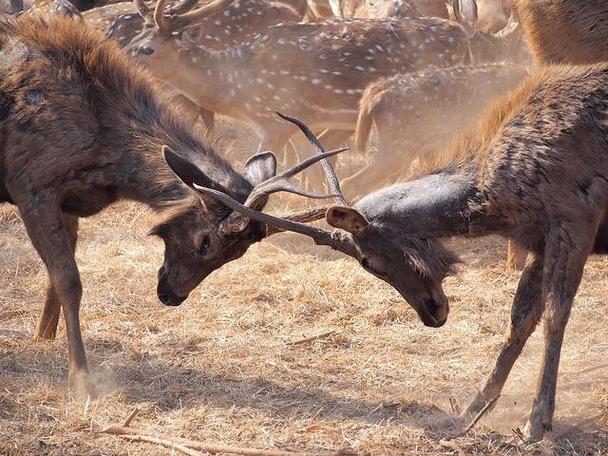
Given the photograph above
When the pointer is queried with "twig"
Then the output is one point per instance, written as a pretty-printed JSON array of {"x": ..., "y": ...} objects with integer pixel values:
[
  {"x": 165, "y": 443},
  {"x": 132, "y": 415},
  {"x": 481, "y": 413},
  {"x": 130, "y": 432},
  {"x": 312, "y": 339}
]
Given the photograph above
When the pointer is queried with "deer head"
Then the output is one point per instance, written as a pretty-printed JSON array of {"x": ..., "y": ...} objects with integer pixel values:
[
  {"x": 203, "y": 234},
  {"x": 163, "y": 25},
  {"x": 414, "y": 267}
]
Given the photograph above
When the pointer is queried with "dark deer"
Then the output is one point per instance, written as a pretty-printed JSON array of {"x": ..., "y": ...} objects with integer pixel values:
[
  {"x": 418, "y": 115},
  {"x": 81, "y": 129},
  {"x": 317, "y": 71},
  {"x": 533, "y": 171}
]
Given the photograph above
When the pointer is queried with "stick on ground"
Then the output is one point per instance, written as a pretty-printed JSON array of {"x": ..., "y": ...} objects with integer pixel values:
[
  {"x": 312, "y": 338},
  {"x": 147, "y": 436},
  {"x": 481, "y": 413}
]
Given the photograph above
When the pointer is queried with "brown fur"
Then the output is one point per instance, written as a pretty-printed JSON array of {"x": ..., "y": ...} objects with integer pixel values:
[
  {"x": 565, "y": 31},
  {"x": 539, "y": 162},
  {"x": 81, "y": 128}
]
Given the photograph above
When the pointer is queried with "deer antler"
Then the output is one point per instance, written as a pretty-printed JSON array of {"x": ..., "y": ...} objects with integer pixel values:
[
  {"x": 332, "y": 179},
  {"x": 168, "y": 24},
  {"x": 237, "y": 221}
]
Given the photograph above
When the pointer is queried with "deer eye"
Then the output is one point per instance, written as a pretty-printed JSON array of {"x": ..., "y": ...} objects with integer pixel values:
[{"x": 202, "y": 249}]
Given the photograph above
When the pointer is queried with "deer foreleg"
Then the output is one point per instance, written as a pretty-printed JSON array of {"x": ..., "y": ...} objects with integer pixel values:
[
  {"x": 525, "y": 314},
  {"x": 516, "y": 256},
  {"x": 565, "y": 260},
  {"x": 47, "y": 323},
  {"x": 51, "y": 238}
]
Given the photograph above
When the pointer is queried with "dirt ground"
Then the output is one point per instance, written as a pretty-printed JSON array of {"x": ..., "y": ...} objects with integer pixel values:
[{"x": 223, "y": 367}]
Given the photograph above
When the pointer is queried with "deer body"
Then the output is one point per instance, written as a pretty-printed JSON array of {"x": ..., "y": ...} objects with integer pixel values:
[
  {"x": 419, "y": 114},
  {"x": 316, "y": 71},
  {"x": 536, "y": 173},
  {"x": 565, "y": 31},
  {"x": 81, "y": 128}
]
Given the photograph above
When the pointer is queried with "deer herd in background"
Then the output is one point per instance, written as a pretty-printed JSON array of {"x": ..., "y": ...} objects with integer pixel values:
[{"x": 82, "y": 127}]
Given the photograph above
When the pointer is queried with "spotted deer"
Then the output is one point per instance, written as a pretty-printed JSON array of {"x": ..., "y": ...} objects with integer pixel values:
[
  {"x": 417, "y": 115},
  {"x": 533, "y": 171},
  {"x": 316, "y": 71},
  {"x": 82, "y": 128}
]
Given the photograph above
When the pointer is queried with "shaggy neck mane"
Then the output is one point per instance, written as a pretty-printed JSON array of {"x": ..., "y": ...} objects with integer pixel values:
[{"x": 132, "y": 119}]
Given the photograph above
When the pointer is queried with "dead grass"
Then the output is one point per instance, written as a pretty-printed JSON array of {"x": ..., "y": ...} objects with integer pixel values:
[{"x": 222, "y": 367}]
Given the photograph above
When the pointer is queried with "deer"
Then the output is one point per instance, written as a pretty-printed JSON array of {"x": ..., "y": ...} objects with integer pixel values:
[
  {"x": 532, "y": 170},
  {"x": 417, "y": 115},
  {"x": 82, "y": 127},
  {"x": 316, "y": 72},
  {"x": 545, "y": 24}
]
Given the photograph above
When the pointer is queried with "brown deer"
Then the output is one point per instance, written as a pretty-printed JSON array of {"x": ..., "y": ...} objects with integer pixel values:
[
  {"x": 417, "y": 115},
  {"x": 533, "y": 171},
  {"x": 82, "y": 128},
  {"x": 545, "y": 24},
  {"x": 565, "y": 31},
  {"x": 317, "y": 71}
]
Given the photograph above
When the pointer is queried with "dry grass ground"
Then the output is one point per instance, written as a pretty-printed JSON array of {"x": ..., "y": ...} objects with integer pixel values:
[{"x": 220, "y": 368}]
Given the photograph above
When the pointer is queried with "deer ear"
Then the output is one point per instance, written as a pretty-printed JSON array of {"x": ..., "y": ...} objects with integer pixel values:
[
  {"x": 261, "y": 167},
  {"x": 187, "y": 171},
  {"x": 347, "y": 219}
]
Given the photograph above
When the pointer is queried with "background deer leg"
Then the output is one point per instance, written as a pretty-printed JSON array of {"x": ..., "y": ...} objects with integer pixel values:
[
  {"x": 51, "y": 239},
  {"x": 47, "y": 323},
  {"x": 516, "y": 256},
  {"x": 525, "y": 314},
  {"x": 565, "y": 260}
]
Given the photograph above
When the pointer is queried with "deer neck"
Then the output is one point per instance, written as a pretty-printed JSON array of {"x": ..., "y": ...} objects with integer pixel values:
[
  {"x": 211, "y": 78},
  {"x": 443, "y": 204},
  {"x": 139, "y": 171}
]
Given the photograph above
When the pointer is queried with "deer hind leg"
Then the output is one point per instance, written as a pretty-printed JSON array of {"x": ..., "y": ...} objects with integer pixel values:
[
  {"x": 516, "y": 256},
  {"x": 47, "y": 323},
  {"x": 525, "y": 314},
  {"x": 565, "y": 260},
  {"x": 47, "y": 230}
]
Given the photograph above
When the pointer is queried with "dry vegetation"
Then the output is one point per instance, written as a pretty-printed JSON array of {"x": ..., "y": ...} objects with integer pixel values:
[{"x": 221, "y": 368}]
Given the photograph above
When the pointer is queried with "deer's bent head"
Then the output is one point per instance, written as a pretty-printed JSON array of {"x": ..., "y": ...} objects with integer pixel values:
[
  {"x": 203, "y": 234},
  {"x": 415, "y": 267}
]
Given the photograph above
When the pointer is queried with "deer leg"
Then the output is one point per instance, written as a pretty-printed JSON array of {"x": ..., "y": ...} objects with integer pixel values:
[
  {"x": 565, "y": 260},
  {"x": 51, "y": 238},
  {"x": 516, "y": 256},
  {"x": 47, "y": 323},
  {"x": 525, "y": 314}
]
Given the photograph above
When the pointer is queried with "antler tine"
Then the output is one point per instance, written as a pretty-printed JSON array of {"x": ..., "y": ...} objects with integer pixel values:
[
  {"x": 143, "y": 8},
  {"x": 319, "y": 235},
  {"x": 280, "y": 182},
  {"x": 332, "y": 179},
  {"x": 161, "y": 21},
  {"x": 190, "y": 18},
  {"x": 311, "y": 215},
  {"x": 182, "y": 7}
]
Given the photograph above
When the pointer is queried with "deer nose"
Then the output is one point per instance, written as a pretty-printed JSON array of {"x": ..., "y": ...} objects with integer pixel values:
[{"x": 145, "y": 49}]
